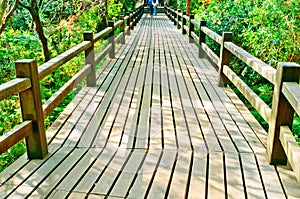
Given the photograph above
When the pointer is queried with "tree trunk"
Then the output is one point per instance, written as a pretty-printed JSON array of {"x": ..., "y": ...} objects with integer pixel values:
[
  {"x": 39, "y": 29},
  {"x": 106, "y": 12},
  {"x": 5, "y": 14},
  {"x": 188, "y": 7}
]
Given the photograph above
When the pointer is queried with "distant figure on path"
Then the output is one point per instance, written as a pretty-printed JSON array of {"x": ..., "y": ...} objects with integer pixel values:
[
  {"x": 154, "y": 3},
  {"x": 150, "y": 5}
]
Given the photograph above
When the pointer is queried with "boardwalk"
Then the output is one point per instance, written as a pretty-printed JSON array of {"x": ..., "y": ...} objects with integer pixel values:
[{"x": 156, "y": 126}]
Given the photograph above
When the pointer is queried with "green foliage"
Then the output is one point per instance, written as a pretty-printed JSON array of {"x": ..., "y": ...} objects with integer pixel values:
[
  {"x": 65, "y": 22},
  {"x": 12, "y": 154},
  {"x": 268, "y": 29},
  {"x": 296, "y": 128},
  {"x": 16, "y": 44}
]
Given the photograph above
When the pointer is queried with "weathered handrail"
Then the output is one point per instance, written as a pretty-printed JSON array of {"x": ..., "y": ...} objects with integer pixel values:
[
  {"x": 14, "y": 87},
  {"x": 102, "y": 34},
  {"x": 28, "y": 78},
  {"x": 291, "y": 90},
  {"x": 52, "y": 65},
  {"x": 286, "y": 98}
]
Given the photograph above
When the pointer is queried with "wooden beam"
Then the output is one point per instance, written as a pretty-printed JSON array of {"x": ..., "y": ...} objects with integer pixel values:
[
  {"x": 282, "y": 111},
  {"x": 224, "y": 59},
  {"x": 31, "y": 105},
  {"x": 90, "y": 59}
]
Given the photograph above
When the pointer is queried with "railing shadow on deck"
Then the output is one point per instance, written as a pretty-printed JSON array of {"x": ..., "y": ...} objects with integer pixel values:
[
  {"x": 28, "y": 77},
  {"x": 281, "y": 145}
]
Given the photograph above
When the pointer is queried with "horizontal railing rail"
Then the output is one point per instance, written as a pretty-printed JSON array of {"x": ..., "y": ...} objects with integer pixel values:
[
  {"x": 28, "y": 77},
  {"x": 281, "y": 146}
]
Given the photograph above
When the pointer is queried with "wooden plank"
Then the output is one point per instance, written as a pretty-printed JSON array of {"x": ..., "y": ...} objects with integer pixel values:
[
  {"x": 163, "y": 175},
  {"x": 28, "y": 180},
  {"x": 212, "y": 34},
  {"x": 215, "y": 179},
  {"x": 291, "y": 91},
  {"x": 180, "y": 182},
  {"x": 156, "y": 112},
  {"x": 106, "y": 92},
  {"x": 69, "y": 133},
  {"x": 254, "y": 126},
  {"x": 289, "y": 182},
  {"x": 58, "y": 96},
  {"x": 14, "y": 136},
  {"x": 182, "y": 133},
  {"x": 52, "y": 65},
  {"x": 234, "y": 176},
  {"x": 143, "y": 128},
  {"x": 14, "y": 87},
  {"x": 58, "y": 173},
  {"x": 78, "y": 195},
  {"x": 272, "y": 182},
  {"x": 263, "y": 109},
  {"x": 235, "y": 133},
  {"x": 111, "y": 172},
  {"x": 75, "y": 174},
  {"x": 262, "y": 68},
  {"x": 252, "y": 179},
  {"x": 124, "y": 181},
  {"x": 86, "y": 183},
  {"x": 168, "y": 125},
  {"x": 197, "y": 188},
  {"x": 291, "y": 149},
  {"x": 144, "y": 176},
  {"x": 64, "y": 116},
  {"x": 102, "y": 34},
  {"x": 140, "y": 122},
  {"x": 15, "y": 167}
]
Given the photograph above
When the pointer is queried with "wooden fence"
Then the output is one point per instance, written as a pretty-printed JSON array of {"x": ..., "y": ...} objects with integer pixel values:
[
  {"x": 281, "y": 145},
  {"x": 27, "y": 84}
]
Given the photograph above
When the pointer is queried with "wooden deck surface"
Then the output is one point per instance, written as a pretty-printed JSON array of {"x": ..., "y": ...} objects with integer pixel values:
[{"x": 156, "y": 126}]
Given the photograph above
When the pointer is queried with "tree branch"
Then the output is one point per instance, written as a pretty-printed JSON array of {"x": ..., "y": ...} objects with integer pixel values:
[
  {"x": 24, "y": 6},
  {"x": 10, "y": 13}
]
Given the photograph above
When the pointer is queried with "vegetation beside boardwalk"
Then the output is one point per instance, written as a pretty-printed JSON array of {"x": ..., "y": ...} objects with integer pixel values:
[
  {"x": 63, "y": 24},
  {"x": 268, "y": 29}
]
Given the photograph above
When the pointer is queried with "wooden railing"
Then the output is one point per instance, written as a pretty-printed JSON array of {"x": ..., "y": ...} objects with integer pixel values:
[
  {"x": 27, "y": 84},
  {"x": 281, "y": 144}
]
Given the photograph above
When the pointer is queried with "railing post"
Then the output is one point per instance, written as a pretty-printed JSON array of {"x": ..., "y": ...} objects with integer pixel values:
[
  {"x": 122, "y": 28},
  {"x": 201, "y": 38},
  {"x": 178, "y": 19},
  {"x": 183, "y": 23},
  {"x": 31, "y": 106},
  {"x": 191, "y": 28},
  {"x": 282, "y": 112},
  {"x": 131, "y": 21},
  {"x": 128, "y": 23},
  {"x": 133, "y": 18},
  {"x": 176, "y": 13},
  {"x": 90, "y": 59},
  {"x": 112, "y": 39},
  {"x": 174, "y": 16},
  {"x": 224, "y": 59}
]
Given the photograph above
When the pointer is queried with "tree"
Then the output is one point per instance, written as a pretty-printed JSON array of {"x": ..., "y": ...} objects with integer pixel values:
[
  {"x": 33, "y": 7},
  {"x": 7, "y": 8},
  {"x": 188, "y": 7},
  {"x": 106, "y": 11}
]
